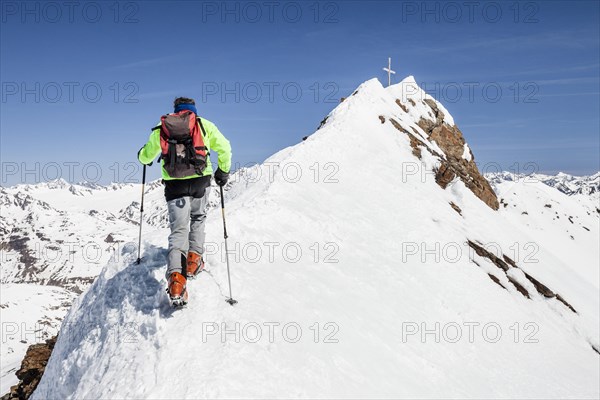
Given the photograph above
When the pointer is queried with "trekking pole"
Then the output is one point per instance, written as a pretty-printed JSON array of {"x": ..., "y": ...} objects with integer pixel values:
[
  {"x": 230, "y": 300},
  {"x": 141, "y": 216}
]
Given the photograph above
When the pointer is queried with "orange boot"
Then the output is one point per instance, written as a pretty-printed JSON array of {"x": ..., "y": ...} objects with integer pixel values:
[
  {"x": 177, "y": 290},
  {"x": 195, "y": 264}
]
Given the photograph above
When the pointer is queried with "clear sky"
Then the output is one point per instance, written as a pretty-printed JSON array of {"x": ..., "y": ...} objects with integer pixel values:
[{"x": 83, "y": 82}]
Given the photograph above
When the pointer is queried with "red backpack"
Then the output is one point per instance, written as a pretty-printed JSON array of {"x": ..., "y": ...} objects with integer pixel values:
[{"x": 182, "y": 143}]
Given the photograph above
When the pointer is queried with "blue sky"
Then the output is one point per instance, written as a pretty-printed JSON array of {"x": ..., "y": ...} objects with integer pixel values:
[{"x": 82, "y": 86}]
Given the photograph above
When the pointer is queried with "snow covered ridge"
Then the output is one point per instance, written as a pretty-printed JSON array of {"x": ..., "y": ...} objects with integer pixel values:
[
  {"x": 417, "y": 264},
  {"x": 55, "y": 237}
]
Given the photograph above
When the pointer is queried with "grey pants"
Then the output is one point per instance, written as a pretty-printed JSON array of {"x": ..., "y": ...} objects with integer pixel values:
[{"x": 187, "y": 216}]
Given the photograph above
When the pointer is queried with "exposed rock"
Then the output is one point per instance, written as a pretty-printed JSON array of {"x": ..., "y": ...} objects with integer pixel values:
[
  {"x": 541, "y": 288},
  {"x": 382, "y": 119},
  {"x": 509, "y": 261},
  {"x": 505, "y": 264},
  {"x": 444, "y": 174},
  {"x": 562, "y": 300},
  {"x": 402, "y": 106},
  {"x": 496, "y": 280},
  {"x": 41, "y": 236},
  {"x": 451, "y": 141},
  {"x": 398, "y": 126},
  {"x": 520, "y": 288},
  {"x": 416, "y": 145},
  {"x": 414, "y": 142},
  {"x": 323, "y": 122},
  {"x": 73, "y": 284},
  {"x": 31, "y": 371},
  {"x": 18, "y": 243},
  {"x": 456, "y": 208},
  {"x": 489, "y": 255}
]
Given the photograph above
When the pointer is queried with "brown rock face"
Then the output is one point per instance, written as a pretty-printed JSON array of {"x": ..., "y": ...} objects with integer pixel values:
[
  {"x": 32, "y": 369},
  {"x": 452, "y": 142}
]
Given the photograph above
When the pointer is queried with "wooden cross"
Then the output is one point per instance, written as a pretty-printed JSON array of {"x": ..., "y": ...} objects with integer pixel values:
[{"x": 389, "y": 71}]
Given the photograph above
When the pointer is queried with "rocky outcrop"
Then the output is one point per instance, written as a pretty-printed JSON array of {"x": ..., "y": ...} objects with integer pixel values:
[
  {"x": 505, "y": 264},
  {"x": 459, "y": 161},
  {"x": 31, "y": 371},
  {"x": 456, "y": 208},
  {"x": 456, "y": 160}
]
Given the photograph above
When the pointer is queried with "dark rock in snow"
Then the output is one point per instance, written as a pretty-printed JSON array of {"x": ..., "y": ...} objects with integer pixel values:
[{"x": 31, "y": 371}]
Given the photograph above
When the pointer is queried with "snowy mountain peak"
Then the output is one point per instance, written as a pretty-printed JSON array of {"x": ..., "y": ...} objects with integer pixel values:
[
  {"x": 431, "y": 131},
  {"x": 59, "y": 183},
  {"x": 562, "y": 175},
  {"x": 408, "y": 90},
  {"x": 404, "y": 109},
  {"x": 363, "y": 266}
]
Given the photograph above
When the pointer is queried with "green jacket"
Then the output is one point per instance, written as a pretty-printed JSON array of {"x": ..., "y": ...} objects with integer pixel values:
[{"x": 213, "y": 139}]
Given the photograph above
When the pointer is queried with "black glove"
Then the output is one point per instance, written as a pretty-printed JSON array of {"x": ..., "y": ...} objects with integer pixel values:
[
  {"x": 221, "y": 177},
  {"x": 139, "y": 151}
]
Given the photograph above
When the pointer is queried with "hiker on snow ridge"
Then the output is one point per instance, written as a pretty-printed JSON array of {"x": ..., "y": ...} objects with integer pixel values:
[{"x": 184, "y": 141}]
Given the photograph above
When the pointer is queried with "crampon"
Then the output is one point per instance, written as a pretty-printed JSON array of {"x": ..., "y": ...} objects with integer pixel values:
[
  {"x": 194, "y": 265},
  {"x": 177, "y": 291}
]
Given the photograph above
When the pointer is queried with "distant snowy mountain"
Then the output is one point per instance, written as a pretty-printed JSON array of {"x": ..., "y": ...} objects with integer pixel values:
[
  {"x": 568, "y": 184},
  {"x": 414, "y": 277}
]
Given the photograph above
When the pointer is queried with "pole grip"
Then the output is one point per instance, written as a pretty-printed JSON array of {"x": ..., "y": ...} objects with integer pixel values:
[{"x": 222, "y": 197}]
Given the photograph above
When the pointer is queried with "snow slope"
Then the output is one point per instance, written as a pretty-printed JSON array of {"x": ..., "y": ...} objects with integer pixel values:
[
  {"x": 352, "y": 282},
  {"x": 55, "y": 237},
  {"x": 566, "y": 225}
]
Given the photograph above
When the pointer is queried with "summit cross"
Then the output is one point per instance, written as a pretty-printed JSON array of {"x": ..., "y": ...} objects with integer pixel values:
[{"x": 389, "y": 71}]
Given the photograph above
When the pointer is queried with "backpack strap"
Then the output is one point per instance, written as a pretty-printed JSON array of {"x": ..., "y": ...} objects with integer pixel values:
[
  {"x": 172, "y": 151},
  {"x": 202, "y": 131},
  {"x": 201, "y": 126}
]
